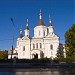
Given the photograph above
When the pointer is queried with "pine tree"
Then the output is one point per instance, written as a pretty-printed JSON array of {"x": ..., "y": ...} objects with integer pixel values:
[{"x": 59, "y": 52}]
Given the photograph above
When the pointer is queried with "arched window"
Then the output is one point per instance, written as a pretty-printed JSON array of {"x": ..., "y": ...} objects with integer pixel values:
[
  {"x": 51, "y": 47},
  {"x": 33, "y": 46},
  {"x": 47, "y": 31},
  {"x": 44, "y": 33},
  {"x": 51, "y": 53},
  {"x": 36, "y": 45},
  {"x": 40, "y": 45},
  {"x": 17, "y": 43},
  {"x": 23, "y": 48},
  {"x": 39, "y": 33}
]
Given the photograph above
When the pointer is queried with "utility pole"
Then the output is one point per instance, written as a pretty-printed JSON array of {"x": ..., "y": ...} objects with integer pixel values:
[{"x": 12, "y": 38}]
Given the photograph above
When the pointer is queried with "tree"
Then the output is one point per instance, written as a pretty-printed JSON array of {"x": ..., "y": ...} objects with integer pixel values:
[
  {"x": 59, "y": 52},
  {"x": 3, "y": 54},
  {"x": 70, "y": 42}
]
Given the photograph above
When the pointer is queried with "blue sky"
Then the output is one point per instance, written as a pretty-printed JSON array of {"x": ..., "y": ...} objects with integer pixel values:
[{"x": 61, "y": 12}]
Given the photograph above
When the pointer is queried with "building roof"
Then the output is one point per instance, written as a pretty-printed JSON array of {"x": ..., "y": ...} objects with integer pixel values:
[
  {"x": 20, "y": 36},
  {"x": 27, "y": 27},
  {"x": 50, "y": 24},
  {"x": 40, "y": 23}
]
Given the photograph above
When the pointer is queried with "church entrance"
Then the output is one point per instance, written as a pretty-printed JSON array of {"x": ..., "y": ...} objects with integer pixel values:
[{"x": 35, "y": 56}]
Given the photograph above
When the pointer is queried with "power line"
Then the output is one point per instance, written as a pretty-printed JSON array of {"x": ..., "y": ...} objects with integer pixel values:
[{"x": 6, "y": 39}]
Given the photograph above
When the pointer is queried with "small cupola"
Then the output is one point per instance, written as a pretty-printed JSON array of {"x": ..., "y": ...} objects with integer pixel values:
[
  {"x": 50, "y": 21},
  {"x": 50, "y": 28},
  {"x": 20, "y": 36},
  {"x": 26, "y": 29},
  {"x": 27, "y": 25}
]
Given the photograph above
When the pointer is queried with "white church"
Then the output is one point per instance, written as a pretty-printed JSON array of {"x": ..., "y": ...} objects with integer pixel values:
[{"x": 44, "y": 43}]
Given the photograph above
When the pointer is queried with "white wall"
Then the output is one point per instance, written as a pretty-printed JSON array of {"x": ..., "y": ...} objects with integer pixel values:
[
  {"x": 24, "y": 54},
  {"x": 40, "y": 29}
]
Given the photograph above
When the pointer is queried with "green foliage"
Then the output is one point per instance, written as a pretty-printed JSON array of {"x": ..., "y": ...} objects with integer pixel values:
[
  {"x": 3, "y": 54},
  {"x": 59, "y": 53},
  {"x": 70, "y": 42},
  {"x": 61, "y": 59},
  {"x": 67, "y": 60}
]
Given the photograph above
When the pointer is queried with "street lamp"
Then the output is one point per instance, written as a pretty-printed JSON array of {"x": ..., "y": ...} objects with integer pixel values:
[{"x": 12, "y": 38}]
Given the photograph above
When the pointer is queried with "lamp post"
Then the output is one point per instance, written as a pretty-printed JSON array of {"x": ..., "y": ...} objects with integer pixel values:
[{"x": 12, "y": 38}]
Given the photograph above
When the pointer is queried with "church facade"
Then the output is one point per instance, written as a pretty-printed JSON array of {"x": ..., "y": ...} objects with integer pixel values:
[{"x": 44, "y": 43}]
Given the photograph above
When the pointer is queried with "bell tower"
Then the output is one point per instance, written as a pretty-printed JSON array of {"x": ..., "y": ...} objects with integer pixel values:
[
  {"x": 26, "y": 29},
  {"x": 50, "y": 28},
  {"x": 20, "y": 36}
]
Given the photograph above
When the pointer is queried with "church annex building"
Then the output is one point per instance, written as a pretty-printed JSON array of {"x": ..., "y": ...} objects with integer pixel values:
[{"x": 43, "y": 44}]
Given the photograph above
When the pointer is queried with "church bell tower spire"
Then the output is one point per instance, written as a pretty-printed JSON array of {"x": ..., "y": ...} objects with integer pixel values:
[
  {"x": 40, "y": 14},
  {"x": 20, "y": 36},
  {"x": 21, "y": 30},
  {"x": 27, "y": 29},
  {"x": 27, "y": 23},
  {"x": 51, "y": 29},
  {"x": 50, "y": 21}
]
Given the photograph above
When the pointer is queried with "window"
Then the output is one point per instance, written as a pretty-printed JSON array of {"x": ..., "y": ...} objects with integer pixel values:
[
  {"x": 44, "y": 33},
  {"x": 47, "y": 31},
  {"x": 23, "y": 48},
  {"x": 39, "y": 33},
  {"x": 36, "y": 45},
  {"x": 40, "y": 45},
  {"x": 17, "y": 43},
  {"x": 33, "y": 46},
  {"x": 51, "y": 46}
]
